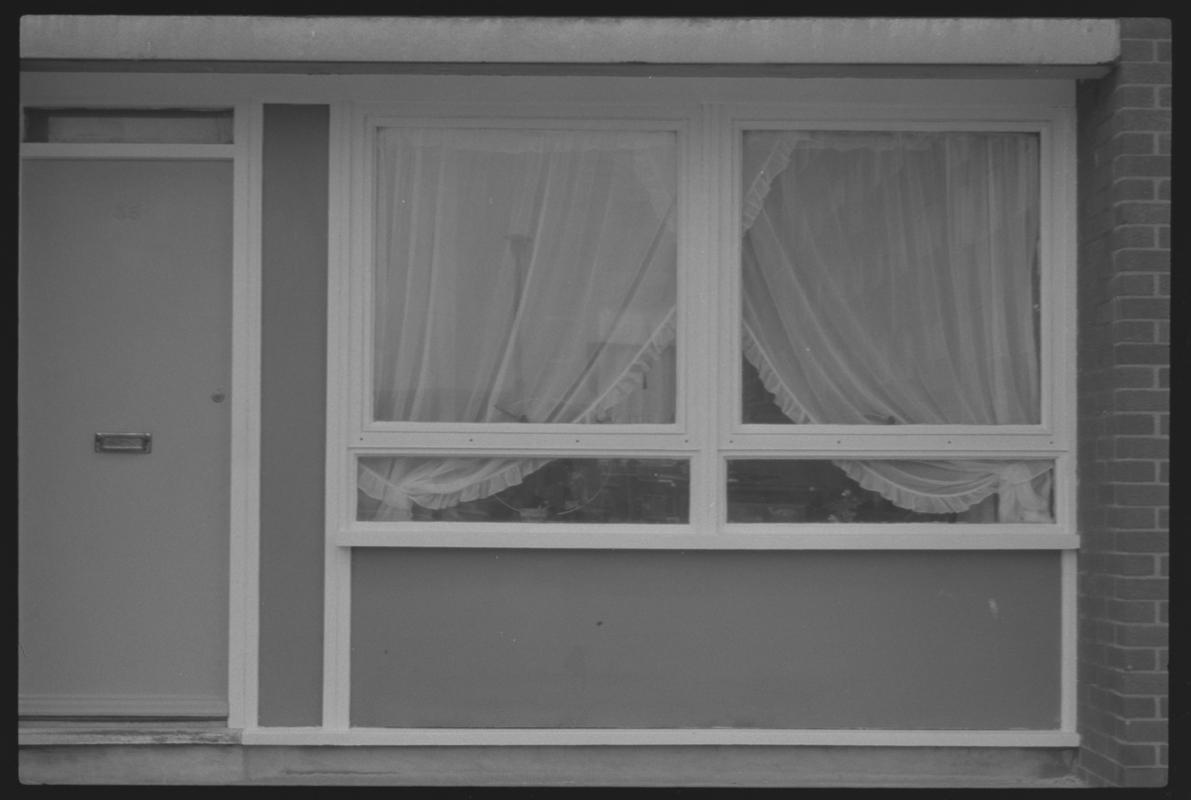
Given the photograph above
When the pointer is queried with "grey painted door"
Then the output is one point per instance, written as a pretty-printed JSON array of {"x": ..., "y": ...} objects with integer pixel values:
[{"x": 125, "y": 326}]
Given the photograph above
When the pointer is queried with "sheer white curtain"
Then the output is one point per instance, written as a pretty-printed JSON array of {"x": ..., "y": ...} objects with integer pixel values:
[
  {"x": 520, "y": 276},
  {"x": 890, "y": 278}
]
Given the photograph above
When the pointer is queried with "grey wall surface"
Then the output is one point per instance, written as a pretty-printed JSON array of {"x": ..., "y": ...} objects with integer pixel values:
[
  {"x": 818, "y": 639},
  {"x": 293, "y": 413}
]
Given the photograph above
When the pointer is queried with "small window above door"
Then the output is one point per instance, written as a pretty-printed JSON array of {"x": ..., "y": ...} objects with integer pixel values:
[{"x": 124, "y": 125}]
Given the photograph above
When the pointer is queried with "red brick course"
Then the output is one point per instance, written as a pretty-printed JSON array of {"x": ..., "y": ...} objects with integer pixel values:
[{"x": 1124, "y": 404}]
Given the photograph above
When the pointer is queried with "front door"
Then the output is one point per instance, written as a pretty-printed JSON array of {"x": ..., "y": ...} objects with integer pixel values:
[{"x": 125, "y": 327}]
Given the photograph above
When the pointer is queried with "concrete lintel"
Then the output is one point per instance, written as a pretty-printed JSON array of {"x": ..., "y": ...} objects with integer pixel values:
[{"x": 688, "y": 40}]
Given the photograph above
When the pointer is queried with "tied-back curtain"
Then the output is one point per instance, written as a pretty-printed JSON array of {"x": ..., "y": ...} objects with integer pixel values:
[
  {"x": 891, "y": 278},
  {"x": 520, "y": 276}
]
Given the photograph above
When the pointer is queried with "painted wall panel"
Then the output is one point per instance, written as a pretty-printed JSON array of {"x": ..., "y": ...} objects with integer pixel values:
[
  {"x": 125, "y": 326},
  {"x": 293, "y": 409},
  {"x": 895, "y": 639}
]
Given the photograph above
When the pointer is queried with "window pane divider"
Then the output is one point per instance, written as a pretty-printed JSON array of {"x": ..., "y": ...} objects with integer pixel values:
[
  {"x": 130, "y": 150},
  {"x": 627, "y": 445},
  {"x": 877, "y": 118},
  {"x": 838, "y": 536},
  {"x": 588, "y": 116},
  {"x": 891, "y": 430},
  {"x": 516, "y": 429},
  {"x": 829, "y": 452},
  {"x": 890, "y": 447}
]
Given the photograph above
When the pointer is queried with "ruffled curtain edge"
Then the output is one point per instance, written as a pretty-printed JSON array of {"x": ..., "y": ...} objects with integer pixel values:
[
  {"x": 998, "y": 482},
  {"x": 772, "y": 381},
  {"x": 1014, "y": 473},
  {"x": 381, "y": 489},
  {"x": 632, "y": 377}
]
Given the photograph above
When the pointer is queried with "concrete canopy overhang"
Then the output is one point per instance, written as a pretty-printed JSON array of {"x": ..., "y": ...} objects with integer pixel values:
[{"x": 810, "y": 47}]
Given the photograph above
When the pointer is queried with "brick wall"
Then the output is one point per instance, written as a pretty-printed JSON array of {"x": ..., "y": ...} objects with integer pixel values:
[{"x": 1124, "y": 419}]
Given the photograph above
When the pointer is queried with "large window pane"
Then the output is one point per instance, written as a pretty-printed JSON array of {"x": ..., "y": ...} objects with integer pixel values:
[
  {"x": 880, "y": 490},
  {"x": 890, "y": 278},
  {"x": 499, "y": 489},
  {"x": 524, "y": 276}
]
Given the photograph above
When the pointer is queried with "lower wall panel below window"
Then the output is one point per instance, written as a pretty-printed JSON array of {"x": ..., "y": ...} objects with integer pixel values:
[{"x": 672, "y": 639}]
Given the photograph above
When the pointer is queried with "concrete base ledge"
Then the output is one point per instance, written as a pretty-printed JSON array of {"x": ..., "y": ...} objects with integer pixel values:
[{"x": 231, "y": 764}]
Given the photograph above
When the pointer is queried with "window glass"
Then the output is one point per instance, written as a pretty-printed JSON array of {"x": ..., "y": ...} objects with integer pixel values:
[
  {"x": 524, "y": 276},
  {"x": 890, "y": 278},
  {"x": 890, "y": 490},
  {"x": 502, "y": 489},
  {"x": 116, "y": 125}
]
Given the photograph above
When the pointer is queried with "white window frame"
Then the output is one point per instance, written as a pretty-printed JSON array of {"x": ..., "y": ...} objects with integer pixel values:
[
  {"x": 365, "y": 437},
  {"x": 1049, "y": 439},
  {"x": 708, "y": 427}
]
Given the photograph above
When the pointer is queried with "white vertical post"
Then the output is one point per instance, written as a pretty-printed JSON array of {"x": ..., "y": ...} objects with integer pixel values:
[
  {"x": 698, "y": 323},
  {"x": 724, "y": 192},
  {"x": 1064, "y": 379},
  {"x": 1069, "y": 631},
  {"x": 337, "y": 567},
  {"x": 245, "y": 391}
]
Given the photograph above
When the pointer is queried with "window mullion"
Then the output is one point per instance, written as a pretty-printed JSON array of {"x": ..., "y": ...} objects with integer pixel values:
[{"x": 703, "y": 321}]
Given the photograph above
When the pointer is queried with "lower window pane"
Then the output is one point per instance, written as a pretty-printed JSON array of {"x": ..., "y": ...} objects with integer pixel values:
[
  {"x": 500, "y": 489},
  {"x": 886, "y": 490}
]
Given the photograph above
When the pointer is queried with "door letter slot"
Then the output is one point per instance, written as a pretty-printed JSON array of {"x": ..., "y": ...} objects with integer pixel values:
[{"x": 123, "y": 442}]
